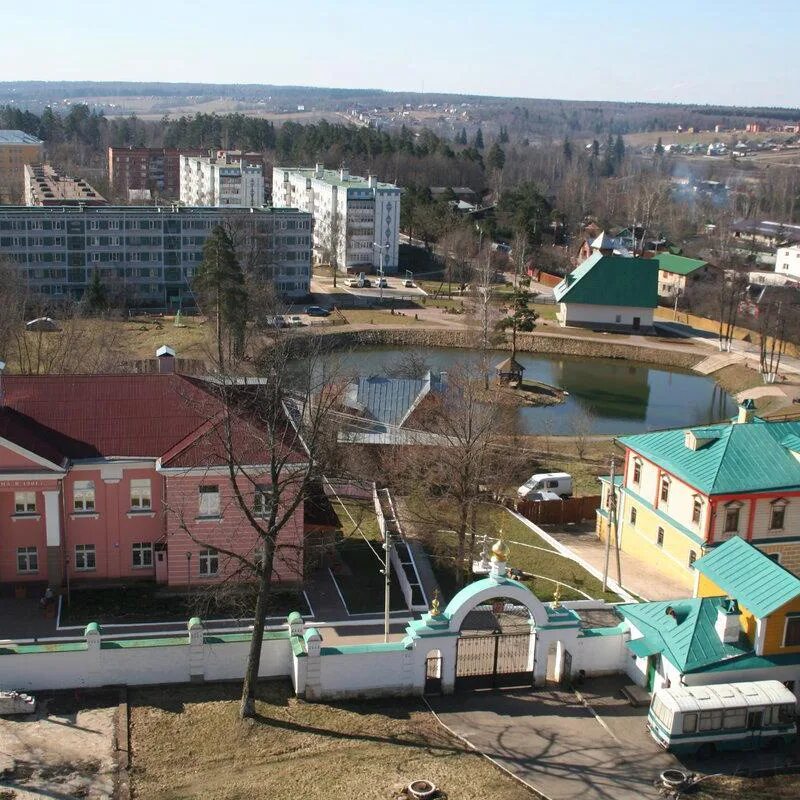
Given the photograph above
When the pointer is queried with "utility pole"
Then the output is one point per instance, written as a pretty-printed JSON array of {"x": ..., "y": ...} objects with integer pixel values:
[
  {"x": 387, "y": 546},
  {"x": 381, "y": 249},
  {"x": 612, "y": 524}
]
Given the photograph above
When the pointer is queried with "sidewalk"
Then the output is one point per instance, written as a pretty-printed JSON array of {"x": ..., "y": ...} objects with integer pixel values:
[{"x": 638, "y": 577}]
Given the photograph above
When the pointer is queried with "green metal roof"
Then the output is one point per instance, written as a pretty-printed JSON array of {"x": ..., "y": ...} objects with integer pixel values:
[
  {"x": 760, "y": 584},
  {"x": 611, "y": 281},
  {"x": 736, "y": 458},
  {"x": 688, "y": 639},
  {"x": 679, "y": 265},
  {"x": 752, "y": 661}
]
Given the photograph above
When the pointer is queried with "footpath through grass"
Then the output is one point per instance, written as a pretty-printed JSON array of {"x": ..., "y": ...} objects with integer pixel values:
[{"x": 188, "y": 744}]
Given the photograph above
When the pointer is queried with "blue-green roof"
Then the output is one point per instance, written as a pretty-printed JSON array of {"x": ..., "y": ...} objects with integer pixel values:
[
  {"x": 611, "y": 281},
  {"x": 679, "y": 265},
  {"x": 760, "y": 584},
  {"x": 730, "y": 458},
  {"x": 688, "y": 640},
  {"x": 752, "y": 661}
]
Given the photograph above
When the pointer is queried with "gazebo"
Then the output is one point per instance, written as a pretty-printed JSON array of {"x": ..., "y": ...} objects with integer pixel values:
[{"x": 509, "y": 371}]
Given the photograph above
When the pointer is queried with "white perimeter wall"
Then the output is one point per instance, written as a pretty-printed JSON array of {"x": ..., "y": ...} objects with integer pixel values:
[{"x": 584, "y": 313}]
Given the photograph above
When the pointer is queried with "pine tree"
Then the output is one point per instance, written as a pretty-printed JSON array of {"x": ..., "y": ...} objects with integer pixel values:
[
  {"x": 462, "y": 137},
  {"x": 659, "y": 148},
  {"x": 496, "y": 158},
  {"x": 96, "y": 298},
  {"x": 567, "y": 150},
  {"x": 479, "y": 140},
  {"x": 619, "y": 149},
  {"x": 503, "y": 138}
]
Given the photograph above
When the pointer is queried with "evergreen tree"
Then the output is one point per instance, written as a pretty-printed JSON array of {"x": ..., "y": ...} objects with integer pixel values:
[
  {"x": 496, "y": 158},
  {"x": 96, "y": 297},
  {"x": 462, "y": 137},
  {"x": 219, "y": 282},
  {"x": 567, "y": 149},
  {"x": 595, "y": 148},
  {"x": 479, "y": 140},
  {"x": 659, "y": 148},
  {"x": 503, "y": 138},
  {"x": 619, "y": 149}
]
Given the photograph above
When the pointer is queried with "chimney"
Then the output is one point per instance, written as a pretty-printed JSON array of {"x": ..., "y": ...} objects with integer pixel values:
[
  {"x": 2, "y": 394},
  {"x": 318, "y": 169},
  {"x": 727, "y": 625},
  {"x": 747, "y": 411},
  {"x": 166, "y": 360},
  {"x": 344, "y": 174},
  {"x": 372, "y": 181}
]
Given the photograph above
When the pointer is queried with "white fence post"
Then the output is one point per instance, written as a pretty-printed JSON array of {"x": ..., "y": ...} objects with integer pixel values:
[{"x": 197, "y": 660}]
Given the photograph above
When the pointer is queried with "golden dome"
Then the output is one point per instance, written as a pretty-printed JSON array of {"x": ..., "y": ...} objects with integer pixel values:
[{"x": 500, "y": 550}]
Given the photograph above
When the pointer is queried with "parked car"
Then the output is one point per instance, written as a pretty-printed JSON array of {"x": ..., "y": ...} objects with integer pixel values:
[
  {"x": 277, "y": 321},
  {"x": 353, "y": 282},
  {"x": 538, "y": 497},
  {"x": 295, "y": 321},
  {"x": 317, "y": 311},
  {"x": 382, "y": 283},
  {"x": 409, "y": 284},
  {"x": 365, "y": 283},
  {"x": 560, "y": 483}
]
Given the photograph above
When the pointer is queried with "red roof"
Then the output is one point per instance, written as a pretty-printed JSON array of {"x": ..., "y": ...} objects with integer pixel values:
[{"x": 62, "y": 417}]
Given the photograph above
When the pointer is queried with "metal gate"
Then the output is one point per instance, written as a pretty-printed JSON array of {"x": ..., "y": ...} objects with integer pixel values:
[
  {"x": 566, "y": 669},
  {"x": 433, "y": 675},
  {"x": 493, "y": 661}
]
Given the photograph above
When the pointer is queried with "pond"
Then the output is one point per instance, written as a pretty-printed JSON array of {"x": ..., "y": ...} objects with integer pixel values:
[{"x": 620, "y": 396}]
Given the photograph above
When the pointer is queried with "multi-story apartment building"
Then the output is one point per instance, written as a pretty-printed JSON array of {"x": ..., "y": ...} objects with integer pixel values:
[
  {"x": 149, "y": 254},
  {"x": 683, "y": 492},
  {"x": 360, "y": 216},
  {"x": 787, "y": 261},
  {"x": 119, "y": 477},
  {"x": 16, "y": 150},
  {"x": 227, "y": 179},
  {"x": 45, "y": 186},
  {"x": 155, "y": 169}
]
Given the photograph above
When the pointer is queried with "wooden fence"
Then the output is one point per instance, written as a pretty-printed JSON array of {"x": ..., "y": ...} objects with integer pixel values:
[{"x": 559, "y": 512}]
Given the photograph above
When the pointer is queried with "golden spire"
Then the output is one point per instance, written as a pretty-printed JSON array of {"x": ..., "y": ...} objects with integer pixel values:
[
  {"x": 557, "y": 596},
  {"x": 435, "y": 604},
  {"x": 500, "y": 549}
]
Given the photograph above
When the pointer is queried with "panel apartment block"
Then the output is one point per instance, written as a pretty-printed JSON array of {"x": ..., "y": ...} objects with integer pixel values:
[
  {"x": 155, "y": 169},
  {"x": 17, "y": 148},
  {"x": 361, "y": 215},
  {"x": 149, "y": 253},
  {"x": 231, "y": 179}
]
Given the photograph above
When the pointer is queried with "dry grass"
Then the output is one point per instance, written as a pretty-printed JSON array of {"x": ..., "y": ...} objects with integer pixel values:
[
  {"x": 188, "y": 743},
  {"x": 365, "y": 316},
  {"x": 774, "y": 787}
]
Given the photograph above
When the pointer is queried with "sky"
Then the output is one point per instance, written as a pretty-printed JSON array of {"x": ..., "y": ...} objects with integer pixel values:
[{"x": 738, "y": 52}]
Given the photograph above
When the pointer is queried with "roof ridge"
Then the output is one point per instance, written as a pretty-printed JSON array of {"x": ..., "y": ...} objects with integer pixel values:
[{"x": 725, "y": 445}]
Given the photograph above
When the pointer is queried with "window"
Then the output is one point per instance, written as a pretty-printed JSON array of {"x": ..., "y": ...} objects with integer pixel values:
[
  {"x": 776, "y": 557},
  {"x": 83, "y": 496},
  {"x": 731, "y": 519},
  {"x": 734, "y": 718},
  {"x": 24, "y": 502},
  {"x": 140, "y": 494},
  {"x": 692, "y": 557},
  {"x": 633, "y": 516},
  {"x": 27, "y": 559},
  {"x": 711, "y": 720},
  {"x": 697, "y": 510},
  {"x": 262, "y": 501},
  {"x": 791, "y": 634},
  {"x": 660, "y": 537},
  {"x": 85, "y": 557},
  {"x": 637, "y": 472},
  {"x": 142, "y": 554},
  {"x": 665, "y": 490},
  {"x": 689, "y": 723},
  {"x": 209, "y": 501},
  {"x": 777, "y": 517},
  {"x": 209, "y": 562}
]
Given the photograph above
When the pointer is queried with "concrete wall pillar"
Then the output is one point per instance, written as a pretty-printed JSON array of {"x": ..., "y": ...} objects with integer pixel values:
[
  {"x": 197, "y": 656},
  {"x": 55, "y": 549},
  {"x": 313, "y": 642},
  {"x": 93, "y": 650}
]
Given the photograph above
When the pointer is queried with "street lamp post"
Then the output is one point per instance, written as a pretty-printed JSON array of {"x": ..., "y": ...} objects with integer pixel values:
[
  {"x": 188, "y": 575},
  {"x": 381, "y": 248}
]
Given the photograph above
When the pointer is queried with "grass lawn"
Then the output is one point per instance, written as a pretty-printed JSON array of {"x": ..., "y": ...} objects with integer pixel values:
[
  {"x": 149, "y": 603},
  {"x": 529, "y": 552},
  {"x": 188, "y": 744},
  {"x": 368, "y": 316},
  {"x": 772, "y": 787}
]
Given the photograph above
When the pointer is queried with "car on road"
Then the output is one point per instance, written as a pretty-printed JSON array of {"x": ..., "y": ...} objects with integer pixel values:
[
  {"x": 354, "y": 282},
  {"x": 317, "y": 311},
  {"x": 295, "y": 321},
  {"x": 365, "y": 283},
  {"x": 277, "y": 321},
  {"x": 409, "y": 284},
  {"x": 382, "y": 283}
]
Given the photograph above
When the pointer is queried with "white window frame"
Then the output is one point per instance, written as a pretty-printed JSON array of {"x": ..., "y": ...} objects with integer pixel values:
[
  {"x": 787, "y": 620},
  {"x": 263, "y": 498},
  {"x": 697, "y": 504},
  {"x": 207, "y": 506},
  {"x": 208, "y": 563},
  {"x": 734, "y": 506},
  {"x": 26, "y": 553},
  {"x": 24, "y": 503},
  {"x": 665, "y": 484},
  {"x": 633, "y": 516},
  {"x": 85, "y": 558},
  {"x": 659, "y": 536},
  {"x": 84, "y": 500},
  {"x": 144, "y": 551},
  {"x": 141, "y": 494},
  {"x": 779, "y": 504},
  {"x": 636, "y": 477}
]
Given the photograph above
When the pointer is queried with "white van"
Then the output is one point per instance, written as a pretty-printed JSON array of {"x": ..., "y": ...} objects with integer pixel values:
[{"x": 559, "y": 483}]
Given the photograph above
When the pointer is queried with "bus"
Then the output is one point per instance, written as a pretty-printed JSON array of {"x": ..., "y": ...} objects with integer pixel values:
[{"x": 725, "y": 716}]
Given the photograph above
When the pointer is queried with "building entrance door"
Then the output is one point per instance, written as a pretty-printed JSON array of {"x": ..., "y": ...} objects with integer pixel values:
[{"x": 162, "y": 573}]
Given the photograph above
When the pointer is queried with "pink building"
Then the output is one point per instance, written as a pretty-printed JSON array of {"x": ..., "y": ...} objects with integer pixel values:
[{"x": 111, "y": 478}]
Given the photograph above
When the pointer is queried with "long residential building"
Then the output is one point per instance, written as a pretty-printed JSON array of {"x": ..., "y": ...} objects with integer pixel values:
[
  {"x": 46, "y": 186},
  {"x": 358, "y": 218},
  {"x": 226, "y": 179},
  {"x": 149, "y": 253},
  {"x": 17, "y": 149}
]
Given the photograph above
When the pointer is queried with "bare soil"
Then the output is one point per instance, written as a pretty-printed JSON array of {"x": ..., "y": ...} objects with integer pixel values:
[
  {"x": 65, "y": 750},
  {"x": 187, "y": 742}
]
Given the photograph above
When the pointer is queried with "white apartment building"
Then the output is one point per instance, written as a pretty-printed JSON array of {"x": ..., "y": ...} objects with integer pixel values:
[
  {"x": 361, "y": 216},
  {"x": 228, "y": 179},
  {"x": 787, "y": 261}
]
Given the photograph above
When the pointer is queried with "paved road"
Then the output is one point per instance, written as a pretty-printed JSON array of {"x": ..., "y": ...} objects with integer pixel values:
[{"x": 555, "y": 744}]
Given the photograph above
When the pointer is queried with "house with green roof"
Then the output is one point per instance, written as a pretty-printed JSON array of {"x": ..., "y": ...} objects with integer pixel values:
[
  {"x": 676, "y": 272},
  {"x": 742, "y": 625},
  {"x": 609, "y": 292},
  {"x": 685, "y": 491}
]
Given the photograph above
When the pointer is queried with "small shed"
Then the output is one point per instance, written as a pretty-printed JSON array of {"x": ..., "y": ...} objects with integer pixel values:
[{"x": 509, "y": 371}]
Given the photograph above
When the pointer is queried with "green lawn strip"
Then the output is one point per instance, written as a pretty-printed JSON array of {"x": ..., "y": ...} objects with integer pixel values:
[
  {"x": 149, "y": 603},
  {"x": 357, "y": 517},
  {"x": 363, "y": 587}
]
